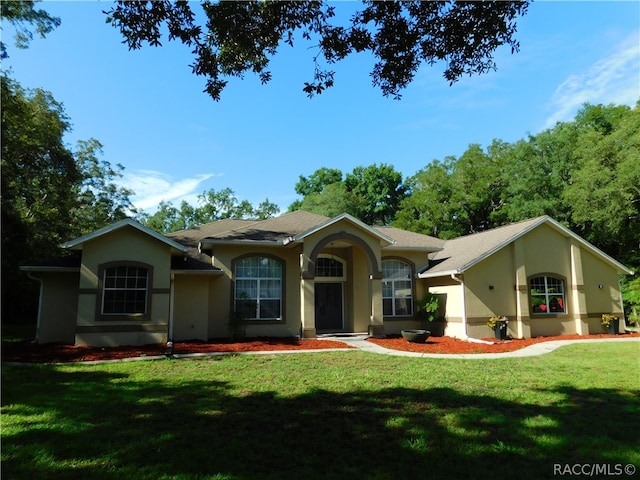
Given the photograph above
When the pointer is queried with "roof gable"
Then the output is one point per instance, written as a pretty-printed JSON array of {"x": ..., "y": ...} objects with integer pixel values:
[
  {"x": 344, "y": 217},
  {"x": 462, "y": 253},
  {"x": 77, "y": 243}
]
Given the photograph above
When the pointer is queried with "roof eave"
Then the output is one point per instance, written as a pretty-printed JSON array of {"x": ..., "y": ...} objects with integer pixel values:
[
  {"x": 445, "y": 273},
  {"x": 76, "y": 244},
  {"x": 213, "y": 242},
  {"x": 215, "y": 273},
  {"x": 48, "y": 269},
  {"x": 415, "y": 249}
]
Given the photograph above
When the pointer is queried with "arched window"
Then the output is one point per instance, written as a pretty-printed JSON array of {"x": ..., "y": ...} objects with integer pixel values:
[
  {"x": 125, "y": 290},
  {"x": 547, "y": 295},
  {"x": 397, "y": 289},
  {"x": 258, "y": 288},
  {"x": 329, "y": 267}
]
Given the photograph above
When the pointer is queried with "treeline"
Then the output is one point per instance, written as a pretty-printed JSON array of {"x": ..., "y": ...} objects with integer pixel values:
[{"x": 584, "y": 173}]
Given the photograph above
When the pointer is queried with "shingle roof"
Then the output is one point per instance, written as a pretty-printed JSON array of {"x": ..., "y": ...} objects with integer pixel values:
[
  {"x": 272, "y": 229},
  {"x": 460, "y": 253},
  {"x": 192, "y": 236},
  {"x": 408, "y": 240}
]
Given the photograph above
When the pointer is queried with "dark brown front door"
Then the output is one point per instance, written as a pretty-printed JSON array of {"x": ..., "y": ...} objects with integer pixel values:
[{"x": 328, "y": 306}]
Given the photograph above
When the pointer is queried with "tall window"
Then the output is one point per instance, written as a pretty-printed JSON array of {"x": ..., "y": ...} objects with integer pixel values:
[
  {"x": 397, "y": 288},
  {"x": 125, "y": 290},
  {"x": 258, "y": 291},
  {"x": 547, "y": 295}
]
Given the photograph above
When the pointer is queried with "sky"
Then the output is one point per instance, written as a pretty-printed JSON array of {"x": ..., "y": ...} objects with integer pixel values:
[{"x": 148, "y": 110}]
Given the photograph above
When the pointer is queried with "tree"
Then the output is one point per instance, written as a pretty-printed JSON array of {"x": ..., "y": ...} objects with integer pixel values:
[
  {"x": 49, "y": 192},
  {"x": 378, "y": 192},
  {"x": 23, "y": 16},
  {"x": 371, "y": 194},
  {"x": 100, "y": 200},
  {"x": 333, "y": 200},
  {"x": 213, "y": 206},
  {"x": 604, "y": 192},
  {"x": 39, "y": 174},
  {"x": 317, "y": 181},
  {"x": 239, "y": 37}
]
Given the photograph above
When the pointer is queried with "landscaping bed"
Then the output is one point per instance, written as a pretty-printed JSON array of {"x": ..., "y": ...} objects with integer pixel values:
[
  {"x": 454, "y": 345},
  {"x": 60, "y": 353}
]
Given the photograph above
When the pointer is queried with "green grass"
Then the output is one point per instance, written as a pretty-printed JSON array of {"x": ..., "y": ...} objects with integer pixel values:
[
  {"x": 342, "y": 415},
  {"x": 16, "y": 333}
]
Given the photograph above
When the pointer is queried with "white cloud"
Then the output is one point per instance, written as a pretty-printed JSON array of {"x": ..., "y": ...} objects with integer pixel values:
[
  {"x": 613, "y": 79},
  {"x": 151, "y": 187}
]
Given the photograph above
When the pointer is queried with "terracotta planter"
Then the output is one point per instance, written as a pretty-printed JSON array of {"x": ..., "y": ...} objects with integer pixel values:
[{"x": 415, "y": 336}]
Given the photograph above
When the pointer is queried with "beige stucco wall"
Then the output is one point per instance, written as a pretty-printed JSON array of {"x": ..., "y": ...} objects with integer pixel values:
[
  {"x": 602, "y": 291},
  {"x": 361, "y": 296},
  {"x": 543, "y": 251},
  {"x": 191, "y": 307},
  {"x": 591, "y": 288},
  {"x": 490, "y": 291},
  {"x": 221, "y": 291},
  {"x": 126, "y": 244},
  {"x": 58, "y": 307}
]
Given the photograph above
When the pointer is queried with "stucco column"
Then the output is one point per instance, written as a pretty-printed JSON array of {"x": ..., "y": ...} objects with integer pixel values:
[
  {"x": 578, "y": 305},
  {"x": 376, "y": 325},
  {"x": 307, "y": 302},
  {"x": 523, "y": 315}
]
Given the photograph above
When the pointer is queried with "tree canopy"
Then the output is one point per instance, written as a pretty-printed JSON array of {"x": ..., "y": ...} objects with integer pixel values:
[
  {"x": 371, "y": 194},
  {"x": 212, "y": 206},
  {"x": 229, "y": 39},
  {"x": 23, "y": 15},
  {"x": 50, "y": 192}
]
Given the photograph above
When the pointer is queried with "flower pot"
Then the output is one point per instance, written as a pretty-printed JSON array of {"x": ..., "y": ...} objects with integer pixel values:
[
  {"x": 500, "y": 330},
  {"x": 613, "y": 327},
  {"x": 415, "y": 336}
]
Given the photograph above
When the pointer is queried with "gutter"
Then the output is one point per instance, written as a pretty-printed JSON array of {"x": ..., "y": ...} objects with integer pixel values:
[
  {"x": 41, "y": 294},
  {"x": 172, "y": 295},
  {"x": 464, "y": 305}
]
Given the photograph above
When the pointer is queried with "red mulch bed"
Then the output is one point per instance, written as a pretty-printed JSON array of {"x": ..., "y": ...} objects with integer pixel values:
[
  {"x": 454, "y": 345},
  {"x": 60, "y": 353}
]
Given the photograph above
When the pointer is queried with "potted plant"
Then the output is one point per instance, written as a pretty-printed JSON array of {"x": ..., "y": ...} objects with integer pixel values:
[
  {"x": 611, "y": 323},
  {"x": 426, "y": 312},
  {"x": 499, "y": 323}
]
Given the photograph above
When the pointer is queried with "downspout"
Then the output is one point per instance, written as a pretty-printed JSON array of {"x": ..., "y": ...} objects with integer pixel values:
[
  {"x": 41, "y": 295},
  {"x": 172, "y": 290},
  {"x": 466, "y": 336},
  {"x": 464, "y": 305}
]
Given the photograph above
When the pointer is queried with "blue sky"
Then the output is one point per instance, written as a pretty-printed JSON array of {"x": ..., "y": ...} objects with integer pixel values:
[{"x": 149, "y": 112}]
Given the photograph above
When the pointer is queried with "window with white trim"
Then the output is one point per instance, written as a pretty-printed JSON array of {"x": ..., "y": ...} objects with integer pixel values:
[
  {"x": 547, "y": 295},
  {"x": 124, "y": 290},
  {"x": 397, "y": 289},
  {"x": 258, "y": 288}
]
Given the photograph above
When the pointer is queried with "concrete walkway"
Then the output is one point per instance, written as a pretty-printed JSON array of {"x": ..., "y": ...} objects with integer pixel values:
[{"x": 360, "y": 342}]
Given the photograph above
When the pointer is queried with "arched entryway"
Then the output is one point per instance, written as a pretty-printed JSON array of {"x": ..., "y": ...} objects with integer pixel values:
[{"x": 341, "y": 286}]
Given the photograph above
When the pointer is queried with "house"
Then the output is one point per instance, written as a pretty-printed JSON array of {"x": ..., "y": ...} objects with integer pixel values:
[{"x": 306, "y": 274}]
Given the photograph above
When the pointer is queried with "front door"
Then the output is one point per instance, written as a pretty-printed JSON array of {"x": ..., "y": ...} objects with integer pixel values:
[{"x": 328, "y": 306}]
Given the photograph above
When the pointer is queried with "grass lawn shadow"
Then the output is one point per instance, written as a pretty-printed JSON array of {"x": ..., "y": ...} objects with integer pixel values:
[{"x": 70, "y": 423}]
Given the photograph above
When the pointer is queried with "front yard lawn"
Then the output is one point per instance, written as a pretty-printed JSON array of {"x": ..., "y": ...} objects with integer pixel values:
[{"x": 342, "y": 415}]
